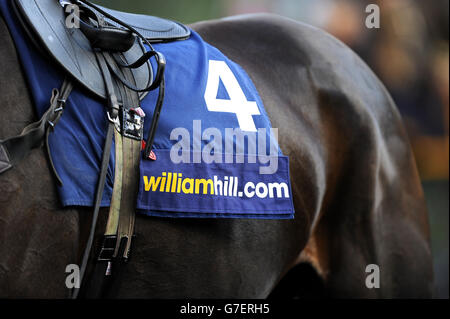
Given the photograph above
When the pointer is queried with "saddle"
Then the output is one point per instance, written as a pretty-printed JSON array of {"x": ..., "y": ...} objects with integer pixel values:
[
  {"x": 108, "y": 53},
  {"x": 45, "y": 21}
]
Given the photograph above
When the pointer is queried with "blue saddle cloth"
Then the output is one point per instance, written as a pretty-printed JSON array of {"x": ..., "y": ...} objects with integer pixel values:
[{"x": 188, "y": 189}]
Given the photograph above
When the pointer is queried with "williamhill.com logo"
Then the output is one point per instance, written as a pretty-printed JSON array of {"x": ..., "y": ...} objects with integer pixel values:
[{"x": 229, "y": 186}]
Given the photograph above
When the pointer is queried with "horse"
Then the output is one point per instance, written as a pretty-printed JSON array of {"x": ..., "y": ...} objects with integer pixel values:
[{"x": 356, "y": 191}]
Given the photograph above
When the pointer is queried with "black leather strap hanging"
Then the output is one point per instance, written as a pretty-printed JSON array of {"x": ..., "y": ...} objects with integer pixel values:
[
  {"x": 113, "y": 118},
  {"x": 14, "y": 149}
]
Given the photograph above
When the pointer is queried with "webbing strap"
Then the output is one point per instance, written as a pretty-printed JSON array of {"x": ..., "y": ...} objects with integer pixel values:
[
  {"x": 114, "y": 210},
  {"x": 130, "y": 176}
]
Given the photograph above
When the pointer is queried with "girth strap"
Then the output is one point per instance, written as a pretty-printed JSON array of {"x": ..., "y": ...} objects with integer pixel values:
[
  {"x": 130, "y": 178},
  {"x": 113, "y": 120},
  {"x": 116, "y": 244}
]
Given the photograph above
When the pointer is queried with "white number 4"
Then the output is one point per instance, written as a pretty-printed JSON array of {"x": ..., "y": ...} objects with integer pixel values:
[{"x": 237, "y": 103}]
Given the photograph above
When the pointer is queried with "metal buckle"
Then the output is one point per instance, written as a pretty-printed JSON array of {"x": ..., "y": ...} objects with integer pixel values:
[
  {"x": 114, "y": 120},
  {"x": 108, "y": 248}
]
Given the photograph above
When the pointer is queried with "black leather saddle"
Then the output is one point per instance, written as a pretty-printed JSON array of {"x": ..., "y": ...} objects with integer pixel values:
[{"x": 45, "y": 21}]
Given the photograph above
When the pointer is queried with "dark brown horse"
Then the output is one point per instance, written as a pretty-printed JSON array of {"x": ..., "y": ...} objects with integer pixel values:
[{"x": 357, "y": 194}]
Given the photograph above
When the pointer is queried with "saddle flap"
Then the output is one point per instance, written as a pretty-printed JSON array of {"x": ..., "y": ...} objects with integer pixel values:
[
  {"x": 46, "y": 20},
  {"x": 154, "y": 29}
]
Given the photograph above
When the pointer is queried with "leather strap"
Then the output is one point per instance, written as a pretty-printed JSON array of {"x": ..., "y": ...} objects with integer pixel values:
[
  {"x": 113, "y": 116},
  {"x": 116, "y": 243},
  {"x": 14, "y": 149},
  {"x": 60, "y": 101}
]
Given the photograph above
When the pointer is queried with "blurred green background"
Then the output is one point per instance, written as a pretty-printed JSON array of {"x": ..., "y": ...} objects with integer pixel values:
[
  {"x": 410, "y": 55},
  {"x": 186, "y": 11}
]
